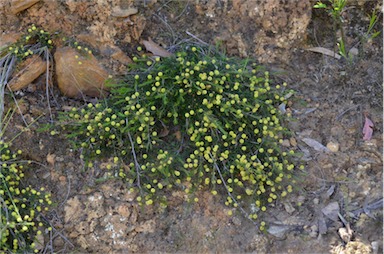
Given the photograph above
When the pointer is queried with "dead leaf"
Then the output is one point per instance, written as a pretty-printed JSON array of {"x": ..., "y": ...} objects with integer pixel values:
[
  {"x": 330, "y": 191},
  {"x": 164, "y": 132},
  {"x": 345, "y": 234},
  {"x": 325, "y": 51},
  {"x": 51, "y": 159},
  {"x": 315, "y": 145},
  {"x": 122, "y": 13},
  {"x": 332, "y": 211},
  {"x": 178, "y": 135},
  {"x": 156, "y": 49},
  {"x": 368, "y": 128}
]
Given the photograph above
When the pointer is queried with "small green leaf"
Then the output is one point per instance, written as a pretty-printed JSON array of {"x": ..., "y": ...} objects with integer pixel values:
[{"x": 320, "y": 5}]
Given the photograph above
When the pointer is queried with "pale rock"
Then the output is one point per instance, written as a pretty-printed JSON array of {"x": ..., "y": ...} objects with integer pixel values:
[
  {"x": 278, "y": 230},
  {"x": 74, "y": 79},
  {"x": 31, "y": 69},
  {"x": 20, "y": 5},
  {"x": 314, "y": 231},
  {"x": 333, "y": 146},
  {"x": 354, "y": 51},
  {"x": 289, "y": 207},
  {"x": 9, "y": 38},
  {"x": 375, "y": 247}
]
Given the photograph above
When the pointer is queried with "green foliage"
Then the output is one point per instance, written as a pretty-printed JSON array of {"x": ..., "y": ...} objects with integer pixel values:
[
  {"x": 335, "y": 9},
  {"x": 371, "y": 34},
  {"x": 19, "y": 206},
  {"x": 195, "y": 120},
  {"x": 34, "y": 41}
]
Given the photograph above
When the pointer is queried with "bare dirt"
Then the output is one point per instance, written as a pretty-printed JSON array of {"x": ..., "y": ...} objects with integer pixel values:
[{"x": 332, "y": 98}]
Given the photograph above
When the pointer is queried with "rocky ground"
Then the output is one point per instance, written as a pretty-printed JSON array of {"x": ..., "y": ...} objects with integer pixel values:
[{"x": 333, "y": 98}]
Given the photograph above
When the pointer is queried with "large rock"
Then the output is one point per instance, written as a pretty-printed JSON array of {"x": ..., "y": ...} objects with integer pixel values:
[
  {"x": 30, "y": 70},
  {"x": 9, "y": 38},
  {"x": 78, "y": 74},
  {"x": 20, "y": 5}
]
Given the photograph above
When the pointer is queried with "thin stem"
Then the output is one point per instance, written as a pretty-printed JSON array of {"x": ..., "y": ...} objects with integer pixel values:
[
  {"x": 8, "y": 61},
  {"x": 137, "y": 165},
  {"x": 48, "y": 59}
]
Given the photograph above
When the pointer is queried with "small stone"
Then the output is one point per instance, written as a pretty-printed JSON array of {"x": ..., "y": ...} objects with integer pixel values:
[
  {"x": 314, "y": 231},
  {"x": 333, "y": 146},
  {"x": 288, "y": 207},
  {"x": 236, "y": 221},
  {"x": 354, "y": 51},
  {"x": 370, "y": 145},
  {"x": 375, "y": 247},
  {"x": 316, "y": 201},
  {"x": 63, "y": 180}
]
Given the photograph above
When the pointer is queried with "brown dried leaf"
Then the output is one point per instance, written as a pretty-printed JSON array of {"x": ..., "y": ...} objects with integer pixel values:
[
  {"x": 51, "y": 159},
  {"x": 325, "y": 51},
  {"x": 178, "y": 135},
  {"x": 155, "y": 49},
  {"x": 122, "y": 13},
  {"x": 164, "y": 132}
]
